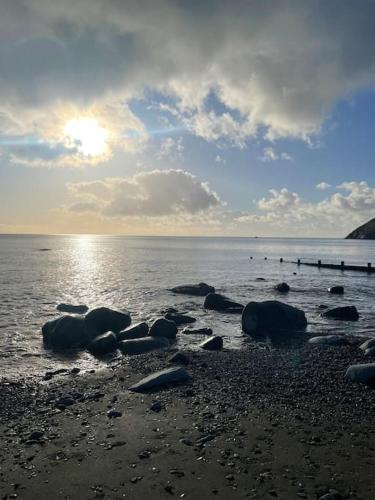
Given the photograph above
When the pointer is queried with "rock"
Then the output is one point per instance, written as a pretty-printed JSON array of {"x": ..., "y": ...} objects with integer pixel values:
[
  {"x": 364, "y": 232},
  {"x": 212, "y": 344},
  {"x": 104, "y": 343},
  {"x": 75, "y": 370},
  {"x": 272, "y": 316},
  {"x": 282, "y": 287},
  {"x": 163, "y": 327},
  {"x": 140, "y": 346},
  {"x": 329, "y": 340},
  {"x": 364, "y": 374},
  {"x": 336, "y": 290},
  {"x": 197, "y": 331},
  {"x": 69, "y": 308},
  {"x": 133, "y": 332},
  {"x": 161, "y": 379},
  {"x": 218, "y": 302},
  {"x": 65, "y": 333},
  {"x": 36, "y": 436},
  {"x": 260, "y": 279},
  {"x": 200, "y": 290},
  {"x": 179, "y": 358},
  {"x": 370, "y": 352},
  {"x": 322, "y": 306},
  {"x": 114, "y": 414},
  {"x": 180, "y": 319},
  {"x": 64, "y": 402},
  {"x": 331, "y": 495},
  {"x": 368, "y": 344},
  {"x": 103, "y": 320},
  {"x": 156, "y": 406},
  {"x": 346, "y": 313}
]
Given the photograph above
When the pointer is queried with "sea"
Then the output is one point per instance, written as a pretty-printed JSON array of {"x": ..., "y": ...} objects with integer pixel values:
[{"x": 136, "y": 273}]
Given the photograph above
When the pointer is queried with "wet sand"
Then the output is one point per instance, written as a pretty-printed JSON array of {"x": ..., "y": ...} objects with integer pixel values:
[{"x": 256, "y": 423}]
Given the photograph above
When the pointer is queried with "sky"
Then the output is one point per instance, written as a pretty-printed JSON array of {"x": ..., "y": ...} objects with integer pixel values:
[{"x": 168, "y": 117}]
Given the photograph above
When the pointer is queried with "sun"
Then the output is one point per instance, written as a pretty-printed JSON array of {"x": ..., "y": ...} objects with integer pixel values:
[{"x": 87, "y": 135}]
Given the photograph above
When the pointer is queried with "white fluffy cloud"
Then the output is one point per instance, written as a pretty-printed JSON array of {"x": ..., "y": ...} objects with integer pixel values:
[
  {"x": 276, "y": 68},
  {"x": 269, "y": 154},
  {"x": 323, "y": 186},
  {"x": 155, "y": 194}
]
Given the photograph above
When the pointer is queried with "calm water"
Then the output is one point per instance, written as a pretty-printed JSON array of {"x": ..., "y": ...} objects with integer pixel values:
[{"x": 134, "y": 273}]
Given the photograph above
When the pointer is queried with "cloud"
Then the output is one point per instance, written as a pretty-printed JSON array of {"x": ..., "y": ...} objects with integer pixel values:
[
  {"x": 220, "y": 159},
  {"x": 323, "y": 186},
  {"x": 275, "y": 68},
  {"x": 287, "y": 211},
  {"x": 155, "y": 194},
  {"x": 170, "y": 148},
  {"x": 269, "y": 154}
]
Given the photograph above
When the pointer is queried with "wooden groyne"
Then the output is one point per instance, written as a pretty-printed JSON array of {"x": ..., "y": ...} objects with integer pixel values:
[{"x": 340, "y": 267}]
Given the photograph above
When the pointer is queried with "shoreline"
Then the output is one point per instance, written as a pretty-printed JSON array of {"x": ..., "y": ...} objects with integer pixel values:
[{"x": 252, "y": 423}]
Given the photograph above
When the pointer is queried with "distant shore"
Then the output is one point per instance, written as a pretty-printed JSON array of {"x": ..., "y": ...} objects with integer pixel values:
[{"x": 255, "y": 423}]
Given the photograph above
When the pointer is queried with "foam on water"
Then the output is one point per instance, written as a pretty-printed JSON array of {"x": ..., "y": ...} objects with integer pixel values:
[{"x": 135, "y": 273}]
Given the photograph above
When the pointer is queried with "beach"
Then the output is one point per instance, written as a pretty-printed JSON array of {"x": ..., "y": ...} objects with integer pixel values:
[{"x": 253, "y": 423}]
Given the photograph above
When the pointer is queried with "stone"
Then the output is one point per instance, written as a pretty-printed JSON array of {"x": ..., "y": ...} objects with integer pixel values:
[
  {"x": 329, "y": 340},
  {"x": 282, "y": 287},
  {"x": 36, "y": 435},
  {"x": 64, "y": 402},
  {"x": 331, "y": 495},
  {"x": 197, "y": 331},
  {"x": 336, "y": 290},
  {"x": 362, "y": 373},
  {"x": 370, "y": 352},
  {"x": 66, "y": 332},
  {"x": 368, "y": 344},
  {"x": 140, "y": 346},
  {"x": 345, "y": 313},
  {"x": 218, "y": 302},
  {"x": 272, "y": 316},
  {"x": 157, "y": 406},
  {"x": 214, "y": 343},
  {"x": 199, "y": 290},
  {"x": 73, "y": 309},
  {"x": 104, "y": 343},
  {"x": 163, "y": 327},
  {"x": 160, "y": 379},
  {"x": 179, "y": 358},
  {"x": 137, "y": 331},
  {"x": 322, "y": 306},
  {"x": 180, "y": 319},
  {"x": 114, "y": 414},
  {"x": 103, "y": 320}
]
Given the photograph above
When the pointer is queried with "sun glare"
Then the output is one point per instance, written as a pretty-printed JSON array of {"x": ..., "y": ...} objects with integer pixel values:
[{"x": 88, "y": 136}]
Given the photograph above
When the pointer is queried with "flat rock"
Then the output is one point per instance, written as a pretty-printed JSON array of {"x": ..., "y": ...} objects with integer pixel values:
[
  {"x": 272, "y": 316},
  {"x": 345, "y": 313},
  {"x": 140, "y": 346},
  {"x": 329, "y": 340},
  {"x": 364, "y": 374},
  {"x": 214, "y": 343},
  {"x": 218, "y": 302},
  {"x": 73, "y": 309},
  {"x": 133, "y": 332},
  {"x": 368, "y": 344},
  {"x": 200, "y": 289},
  {"x": 104, "y": 343},
  {"x": 180, "y": 319},
  {"x": 160, "y": 379},
  {"x": 103, "y": 320},
  {"x": 197, "y": 331},
  {"x": 370, "y": 352},
  {"x": 179, "y": 358},
  {"x": 163, "y": 327}
]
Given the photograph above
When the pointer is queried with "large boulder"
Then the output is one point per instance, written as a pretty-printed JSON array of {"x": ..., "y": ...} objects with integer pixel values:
[
  {"x": 180, "y": 319},
  {"x": 218, "y": 302},
  {"x": 370, "y": 343},
  {"x": 65, "y": 333},
  {"x": 163, "y": 328},
  {"x": 336, "y": 290},
  {"x": 272, "y": 316},
  {"x": 282, "y": 287},
  {"x": 200, "y": 289},
  {"x": 214, "y": 343},
  {"x": 103, "y": 343},
  {"x": 364, "y": 374},
  {"x": 103, "y": 320},
  {"x": 346, "y": 313},
  {"x": 73, "y": 309},
  {"x": 140, "y": 346},
  {"x": 329, "y": 340},
  {"x": 161, "y": 379},
  {"x": 133, "y": 332}
]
